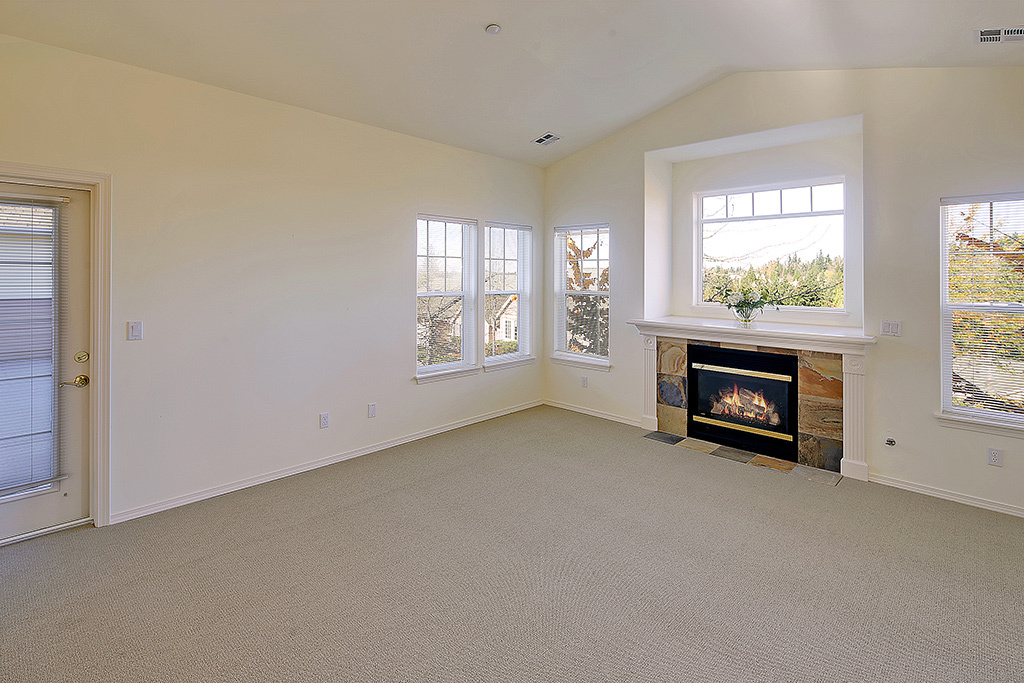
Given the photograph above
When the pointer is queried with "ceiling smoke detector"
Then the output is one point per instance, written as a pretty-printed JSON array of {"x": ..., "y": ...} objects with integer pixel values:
[
  {"x": 547, "y": 139},
  {"x": 1000, "y": 35}
]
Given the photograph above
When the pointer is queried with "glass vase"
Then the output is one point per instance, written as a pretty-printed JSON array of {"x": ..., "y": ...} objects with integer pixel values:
[{"x": 745, "y": 315}]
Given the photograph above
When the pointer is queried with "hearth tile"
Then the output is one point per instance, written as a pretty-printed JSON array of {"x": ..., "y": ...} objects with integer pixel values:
[
  {"x": 698, "y": 445},
  {"x": 821, "y": 375},
  {"x": 773, "y": 463},
  {"x": 672, "y": 390},
  {"x": 672, "y": 357},
  {"x": 671, "y": 419},
  {"x": 819, "y": 452},
  {"x": 664, "y": 437},
  {"x": 733, "y": 454},
  {"x": 821, "y": 417},
  {"x": 814, "y": 474}
]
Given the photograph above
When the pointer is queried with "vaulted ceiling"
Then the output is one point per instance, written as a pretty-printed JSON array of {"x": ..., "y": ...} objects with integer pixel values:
[{"x": 579, "y": 68}]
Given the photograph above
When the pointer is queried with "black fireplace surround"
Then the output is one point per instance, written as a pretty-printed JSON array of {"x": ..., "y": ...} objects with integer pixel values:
[{"x": 743, "y": 399}]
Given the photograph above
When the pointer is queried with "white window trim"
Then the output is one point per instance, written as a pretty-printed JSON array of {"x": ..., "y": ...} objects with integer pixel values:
[
  {"x": 448, "y": 373},
  {"x": 561, "y": 356},
  {"x": 507, "y": 362},
  {"x": 525, "y": 354},
  {"x": 471, "y": 301},
  {"x": 960, "y": 417},
  {"x": 581, "y": 360},
  {"x": 831, "y": 316}
]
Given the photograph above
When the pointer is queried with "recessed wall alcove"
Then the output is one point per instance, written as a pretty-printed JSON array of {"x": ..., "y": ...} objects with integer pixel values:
[{"x": 832, "y": 340}]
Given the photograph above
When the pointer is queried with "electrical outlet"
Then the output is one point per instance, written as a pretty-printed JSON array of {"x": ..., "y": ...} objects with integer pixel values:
[
  {"x": 583, "y": 381},
  {"x": 995, "y": 457},
  {"x": 371, "y": 410},
  {"x": 325, "y": 420}
]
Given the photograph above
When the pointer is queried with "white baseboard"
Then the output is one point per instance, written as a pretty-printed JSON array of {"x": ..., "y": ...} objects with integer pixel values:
[
  {"x": 949, "y": 495},
  {"x": 854, "y": 470},
  {"x": 177, "y": 501},
  {"x": 595, "y": 413}
]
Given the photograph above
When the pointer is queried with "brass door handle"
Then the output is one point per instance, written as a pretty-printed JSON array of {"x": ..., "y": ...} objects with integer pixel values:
[{"x": 80, "y": 381}]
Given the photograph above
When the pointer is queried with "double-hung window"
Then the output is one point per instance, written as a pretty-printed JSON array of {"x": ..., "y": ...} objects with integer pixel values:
[
  {"x": 983, "y": 309},
  {"x": 506, "y": 292},
  {"x": 445, "y": 294},
  {"x": 456, "y": 276},
  {"x": 582, "y": 293},
  {"x": 786, "y": 241}
]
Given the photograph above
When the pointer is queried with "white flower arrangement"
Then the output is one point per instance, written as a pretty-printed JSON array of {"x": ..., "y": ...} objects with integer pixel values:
[{"x": 746, "y": 302}]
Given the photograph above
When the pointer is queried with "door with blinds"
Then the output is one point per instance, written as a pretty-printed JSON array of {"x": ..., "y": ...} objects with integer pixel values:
[{"x": 44, "y": 359}]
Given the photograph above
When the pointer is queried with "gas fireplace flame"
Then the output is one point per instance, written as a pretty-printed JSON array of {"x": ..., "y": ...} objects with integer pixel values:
[{"x": 746, "y": 405}]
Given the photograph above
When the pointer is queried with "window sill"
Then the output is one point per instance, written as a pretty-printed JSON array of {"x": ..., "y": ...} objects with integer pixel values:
[
  {"x": 451, "y": 373},
  {"x": 578, "y": 360},
  {"x": 509, "y": 363},
  {"x": 977, "y": 424}
]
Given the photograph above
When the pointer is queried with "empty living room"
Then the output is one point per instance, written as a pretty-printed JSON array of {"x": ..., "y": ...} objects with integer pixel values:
[{"x": 512, "y": 340}]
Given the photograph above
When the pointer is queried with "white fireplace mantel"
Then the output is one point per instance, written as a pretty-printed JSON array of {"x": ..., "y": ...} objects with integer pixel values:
[{"x": 851, "y": 343}]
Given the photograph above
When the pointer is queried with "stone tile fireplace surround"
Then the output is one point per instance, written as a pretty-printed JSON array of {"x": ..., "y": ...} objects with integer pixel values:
[{"x": 831, "y": 365}]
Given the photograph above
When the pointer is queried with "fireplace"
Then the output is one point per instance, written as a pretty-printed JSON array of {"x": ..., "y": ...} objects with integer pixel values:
[{"x": 744, "y": 399}]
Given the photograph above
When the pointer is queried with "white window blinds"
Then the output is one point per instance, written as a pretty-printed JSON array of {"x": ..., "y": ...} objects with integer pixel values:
[
  {"x": 983, "y": 308},
  {"x": 30, "y": 278}
]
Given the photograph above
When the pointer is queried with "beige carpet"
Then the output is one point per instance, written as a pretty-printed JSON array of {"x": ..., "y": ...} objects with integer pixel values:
[{"x": 542, "y": 546}]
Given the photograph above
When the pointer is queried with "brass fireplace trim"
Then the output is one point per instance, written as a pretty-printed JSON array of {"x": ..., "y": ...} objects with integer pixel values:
[
  {"x": 742, "y": 428},
  {"x": 745, "y": 373}
]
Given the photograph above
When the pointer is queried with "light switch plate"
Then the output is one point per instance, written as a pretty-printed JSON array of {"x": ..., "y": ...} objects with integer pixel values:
[
  {"x": 891, "y": 328},
  {"x": 134, "y": 330}
]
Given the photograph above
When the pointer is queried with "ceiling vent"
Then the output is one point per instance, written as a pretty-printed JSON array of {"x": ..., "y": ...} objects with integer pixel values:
[
  {"x": 1000, "y": 35},
  {"x": 547, "y": 139}
]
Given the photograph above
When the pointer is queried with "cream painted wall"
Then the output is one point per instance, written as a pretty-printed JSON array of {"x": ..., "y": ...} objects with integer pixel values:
[
  {"x": 269, "y": 251},
  {"x": 927, "y": 133}
]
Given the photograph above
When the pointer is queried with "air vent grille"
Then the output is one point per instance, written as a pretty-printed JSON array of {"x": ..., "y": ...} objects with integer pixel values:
[
  {"x": 547, "y": 139},
  {"x": 1000, "y": 35}
]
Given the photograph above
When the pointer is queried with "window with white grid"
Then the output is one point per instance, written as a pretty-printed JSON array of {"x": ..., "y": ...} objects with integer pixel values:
[
  {"x": 445, "y": 293},
  {"x": 506, "y": 292},
  {"x": 983, "y": 308},
  {"x": 583, "y": 291},
  {"x": 785, "y": 241}
]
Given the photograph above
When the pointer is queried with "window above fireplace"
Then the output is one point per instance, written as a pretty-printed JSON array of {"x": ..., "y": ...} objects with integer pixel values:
[
  {"x": 802, "y": 184},
  {"x": 785, "y": 241}
]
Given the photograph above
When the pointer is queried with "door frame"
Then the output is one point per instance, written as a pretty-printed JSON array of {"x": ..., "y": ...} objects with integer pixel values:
[{"x": 98, "y": 185}]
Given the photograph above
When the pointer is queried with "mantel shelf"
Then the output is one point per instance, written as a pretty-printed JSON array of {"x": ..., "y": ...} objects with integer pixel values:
[{"x": 843, "y": 340}]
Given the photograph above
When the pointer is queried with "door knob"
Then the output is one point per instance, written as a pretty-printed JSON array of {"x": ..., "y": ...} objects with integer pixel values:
[{"x": 80, "y": 381}]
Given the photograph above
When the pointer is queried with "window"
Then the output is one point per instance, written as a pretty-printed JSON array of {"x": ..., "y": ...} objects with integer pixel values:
[
  {"x": 445, "y": 299},
  {"x": 582, "y": 291},
  {"x": 787, "y": 241},
  {"x": 983, "y": 308},
  {"x": 30, "y": 272},
  {"x": 506, "y": 288}
]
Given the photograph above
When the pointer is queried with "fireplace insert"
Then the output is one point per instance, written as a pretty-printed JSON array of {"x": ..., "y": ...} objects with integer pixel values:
[{"x": 744, "y": 399}]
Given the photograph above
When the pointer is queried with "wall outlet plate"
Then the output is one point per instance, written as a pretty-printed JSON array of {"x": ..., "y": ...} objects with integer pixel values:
[
  {"x": 995, "y": 457},
  {"x": 325, "y": 420}
]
